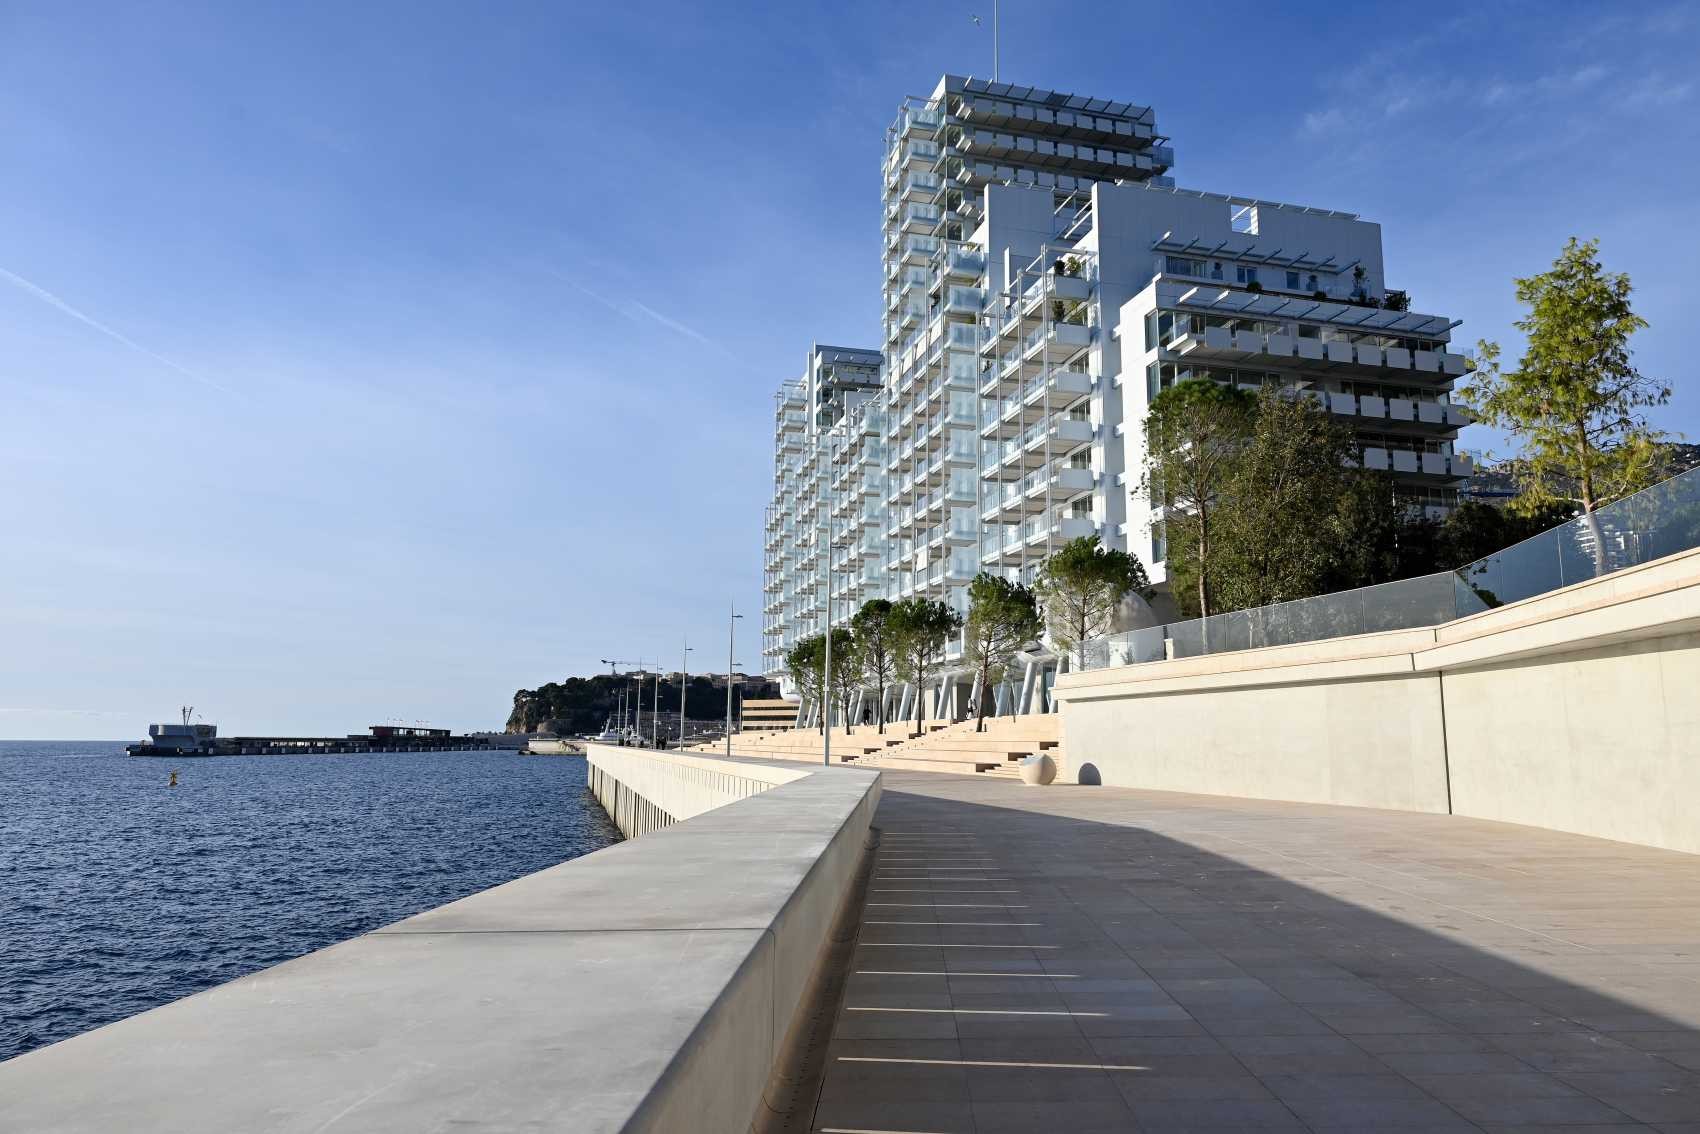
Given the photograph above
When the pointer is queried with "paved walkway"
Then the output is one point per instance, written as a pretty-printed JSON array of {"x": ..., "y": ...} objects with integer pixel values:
[{"x": 1093, "y": 959}]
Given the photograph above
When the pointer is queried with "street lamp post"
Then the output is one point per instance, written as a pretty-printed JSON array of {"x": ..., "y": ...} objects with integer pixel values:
[
  {"x": 655, "y": 712},
  {"x": 731, "y": 638},
  {"x": 684, "y": 662}
]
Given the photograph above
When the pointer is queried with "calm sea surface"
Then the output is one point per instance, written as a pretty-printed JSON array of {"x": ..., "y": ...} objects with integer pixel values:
[{"x": 118, "y": 893}]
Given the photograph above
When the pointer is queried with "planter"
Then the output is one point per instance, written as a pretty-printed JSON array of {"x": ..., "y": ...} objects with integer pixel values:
[{"x": 1038, "y": 770}]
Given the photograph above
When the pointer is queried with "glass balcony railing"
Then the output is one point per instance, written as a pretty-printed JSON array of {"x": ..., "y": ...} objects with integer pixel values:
[{"x": 1649, "y": 525}]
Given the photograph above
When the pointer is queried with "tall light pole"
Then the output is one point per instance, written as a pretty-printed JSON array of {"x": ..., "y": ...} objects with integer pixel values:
[
  {"x": 684, "y": 661},
  {"x": 655, "y": 712},
  {"x": 826, "y": 670},
  {"x": 731, "y": 638},
  {"x": 826, "y": 676}
]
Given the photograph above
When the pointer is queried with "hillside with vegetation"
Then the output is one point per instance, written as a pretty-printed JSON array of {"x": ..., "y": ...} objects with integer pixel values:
[{"x": 584, "y": 704}]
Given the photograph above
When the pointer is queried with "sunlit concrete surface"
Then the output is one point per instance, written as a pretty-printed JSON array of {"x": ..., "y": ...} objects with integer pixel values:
[{"x": 1089, "y": 959}]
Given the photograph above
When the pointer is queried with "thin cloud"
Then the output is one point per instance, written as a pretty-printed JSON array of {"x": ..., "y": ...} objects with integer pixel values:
[
  {"x": 58, "y": 304},
  {"x": 1319, "y": 123},
  {"x": 632, "y": 309},
  {"x": 675, "y": 325},
  {"x": 1658, "y": 90}
]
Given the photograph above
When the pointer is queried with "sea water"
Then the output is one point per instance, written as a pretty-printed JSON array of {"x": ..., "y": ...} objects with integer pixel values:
[{"x": 119, "y": 893}]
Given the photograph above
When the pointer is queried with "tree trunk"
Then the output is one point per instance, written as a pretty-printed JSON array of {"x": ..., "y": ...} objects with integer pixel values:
[
  {"x": 980, "y": 708},
  {"x": 1203, "y": 581},
  {"x": 1588, "y": 517},
  {"x": 920, "y": 700},
  {"x": 879, "y": 680}
]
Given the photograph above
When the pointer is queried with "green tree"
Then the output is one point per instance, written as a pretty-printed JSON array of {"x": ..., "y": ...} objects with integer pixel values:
[
  {"x": 1375, "y": 535},
  {"x": 849, "y": 670},
  {"x": 1195, "y": 433},
  {"x": 1285, "y": 503},
  {"x": 1080, "y": 587},
  {"x": 805, "y": 664},
  {"x": 872, "y": 627},
  {"x": 1002, "y": 617},
  {"x": 1575, "y": 398},
  {"x": 919, "y": 629}
]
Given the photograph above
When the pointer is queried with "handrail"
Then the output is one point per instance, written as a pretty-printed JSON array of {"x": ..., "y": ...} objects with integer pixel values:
[{"x": 1657, "y": 521}]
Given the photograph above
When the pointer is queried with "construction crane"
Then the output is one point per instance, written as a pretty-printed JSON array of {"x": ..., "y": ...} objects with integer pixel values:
[{"x": 635, "y": 702}]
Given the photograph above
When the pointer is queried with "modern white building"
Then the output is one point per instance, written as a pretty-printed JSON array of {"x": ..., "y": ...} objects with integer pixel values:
[{"x": 1043, "y": 281}]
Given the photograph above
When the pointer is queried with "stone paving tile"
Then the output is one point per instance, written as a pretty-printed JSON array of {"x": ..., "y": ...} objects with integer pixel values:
[
  {"x": 1171, "y": 962},
  {"x": 1075, "y": 1116}
]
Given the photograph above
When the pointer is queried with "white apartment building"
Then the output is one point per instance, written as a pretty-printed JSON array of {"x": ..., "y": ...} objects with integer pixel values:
[
  {"x": 827, "y": 428},
  {"x": 1044, "y": 281}
]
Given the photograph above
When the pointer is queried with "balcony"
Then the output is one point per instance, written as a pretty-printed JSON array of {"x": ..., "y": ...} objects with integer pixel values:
[
  {"x": 919, "y": 219},
  {"x": 964, "y": 263},
  {"x": 1078, "y": 125},
  {"x": 1420, "y": 416},
  {"x": 1409, "y": 463},
  {"x": 964, "y": 301},
  {"x": 1222, "y": 344}
]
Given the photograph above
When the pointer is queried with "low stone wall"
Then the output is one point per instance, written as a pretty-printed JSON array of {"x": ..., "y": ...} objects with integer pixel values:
[
  {"x": 643, "y": 790},
  {"x": 657, "y": 985},
  {"x": 1573, "y": 710}
]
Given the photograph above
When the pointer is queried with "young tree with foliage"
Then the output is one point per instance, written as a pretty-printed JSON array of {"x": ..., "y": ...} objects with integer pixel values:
[
  {"x": 872, "y": 627},
  {"x": 1080, "y": 586},
  {"x": 1002, "y": 617},
  {"x": 805, "y": 664},
  {"x": 849, "y": 670},
  {"x": 1574, "y": 400},
  {"x": 919, "y": 629},
  {"x": 1194, "y": 433},
  {"x": 1281, "y": 515}
]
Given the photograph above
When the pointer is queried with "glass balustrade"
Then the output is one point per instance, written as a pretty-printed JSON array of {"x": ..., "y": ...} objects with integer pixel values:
[{"x": 1651, "y": 524}]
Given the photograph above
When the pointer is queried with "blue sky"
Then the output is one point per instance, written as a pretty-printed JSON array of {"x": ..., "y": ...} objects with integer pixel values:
[{"x": 368, "y": 361}]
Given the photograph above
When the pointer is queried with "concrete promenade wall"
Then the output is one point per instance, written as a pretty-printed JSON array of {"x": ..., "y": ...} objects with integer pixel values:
[
  {"x": 642, "y": 790},
  {"x": 1577, "y": 710},
  {"x": 646, "y": 987}
]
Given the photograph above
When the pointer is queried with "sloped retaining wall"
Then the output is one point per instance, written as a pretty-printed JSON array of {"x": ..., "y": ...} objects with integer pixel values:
[
  {"x": 1574, "y": 710},
  {"x": 642, "y": 790}
]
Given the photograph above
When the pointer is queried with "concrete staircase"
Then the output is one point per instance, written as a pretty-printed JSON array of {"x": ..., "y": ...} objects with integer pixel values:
[
  {"x": 949, "y": 748},
  {"x": 959, "y": 749},
  {"x": 805, "y": 744}
]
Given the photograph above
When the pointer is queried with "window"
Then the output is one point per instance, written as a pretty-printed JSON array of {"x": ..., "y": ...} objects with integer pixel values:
[
  {"x": 1244, "y": 219},
  {"x": 1216, "y": 270},
  {"x": 1159, "y": 542},
  {"x": 1293, "y": 281},
  {"x": 1181, "y": 266},
  {"x": 1245, "y": 274}
]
